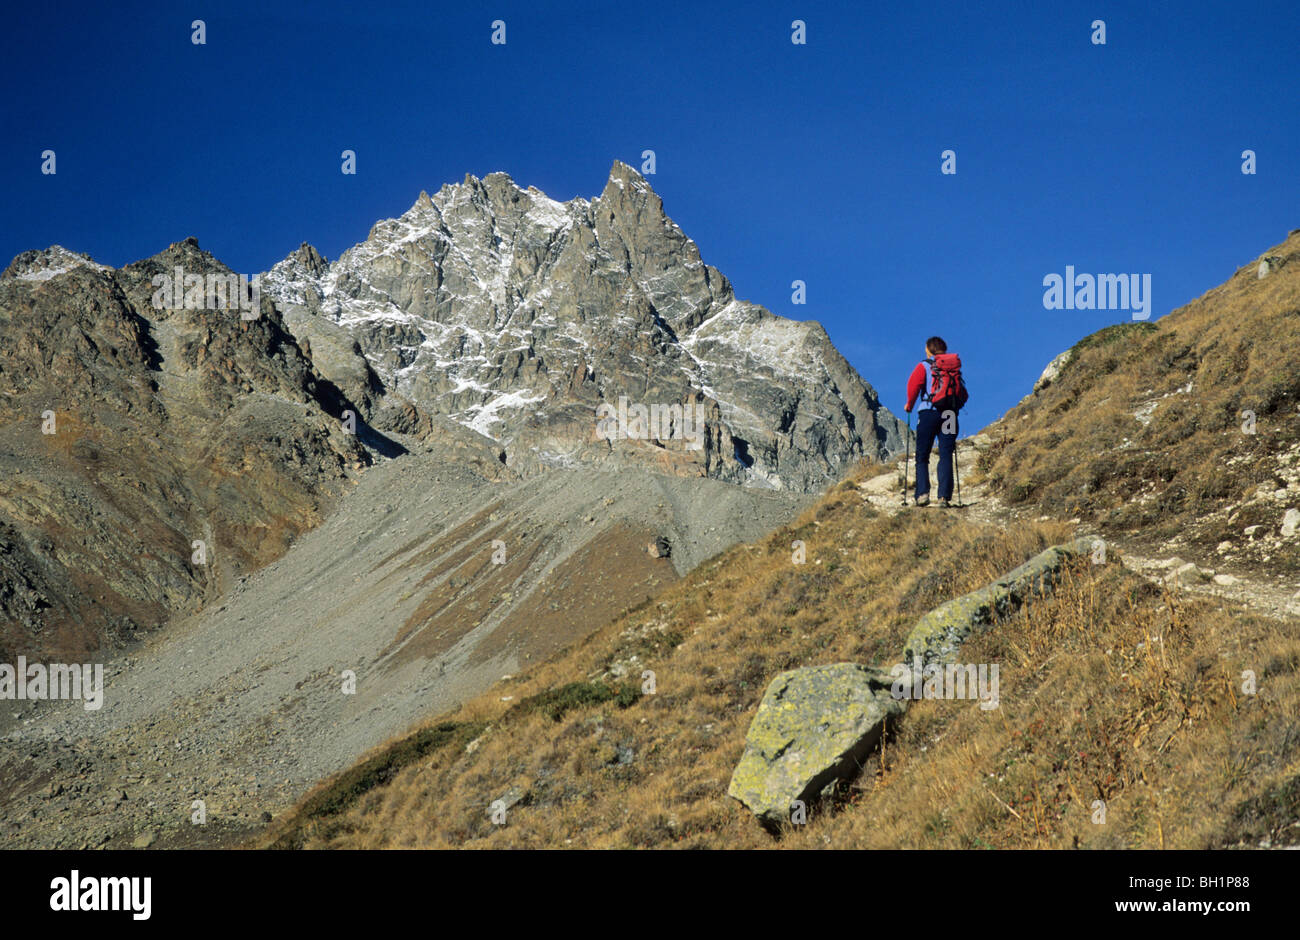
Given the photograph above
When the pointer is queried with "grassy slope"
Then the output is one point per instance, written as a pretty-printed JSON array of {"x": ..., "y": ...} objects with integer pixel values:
[
  {"x": 1191, "y": 473},
  {"x": 1111, "y": 689}
]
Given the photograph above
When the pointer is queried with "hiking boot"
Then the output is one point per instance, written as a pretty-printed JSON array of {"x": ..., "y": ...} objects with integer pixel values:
[
  {"x": 923, "y": 499},
  {"x": 945, "y": 503}
]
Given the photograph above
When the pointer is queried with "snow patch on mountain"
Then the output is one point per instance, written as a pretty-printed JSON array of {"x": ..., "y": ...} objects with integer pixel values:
[{"x": 52, "y": 262}]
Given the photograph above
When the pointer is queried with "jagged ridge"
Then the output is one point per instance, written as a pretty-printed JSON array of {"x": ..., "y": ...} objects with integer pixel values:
[{"x": 517, "y": 315}]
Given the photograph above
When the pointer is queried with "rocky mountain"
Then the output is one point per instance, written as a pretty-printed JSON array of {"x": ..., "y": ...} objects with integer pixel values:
[
  {"x": 587, "y": 647},
  {"x": 398, "y": 467},
  {"x": 128, "y": 433},
  {"x": 140, "y": 425},
  {"x": 518, "y": 316}
]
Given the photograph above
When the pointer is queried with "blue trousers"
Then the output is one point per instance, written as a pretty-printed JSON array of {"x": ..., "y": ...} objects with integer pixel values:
[{"x": 928, "y": 423}]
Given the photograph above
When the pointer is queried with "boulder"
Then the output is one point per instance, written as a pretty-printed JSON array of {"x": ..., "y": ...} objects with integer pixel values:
[
  {"x": 1188, "y": 575},
  {"x": 813, "y": 728},
  {"x": 1267, "y": 265},
  {"x": 939, "y": 634},
  {"x": 508, "y": 800}
]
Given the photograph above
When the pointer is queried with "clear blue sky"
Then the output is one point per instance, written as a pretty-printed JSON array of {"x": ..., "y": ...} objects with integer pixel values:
[{"x": 818, "y": 162}]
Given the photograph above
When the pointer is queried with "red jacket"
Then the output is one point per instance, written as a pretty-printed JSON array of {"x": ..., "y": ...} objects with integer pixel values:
[{"x": 917, "y": 383}]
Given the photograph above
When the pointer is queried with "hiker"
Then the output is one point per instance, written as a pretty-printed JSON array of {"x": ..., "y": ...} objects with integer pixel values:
[{"x": 936, "y": 386}]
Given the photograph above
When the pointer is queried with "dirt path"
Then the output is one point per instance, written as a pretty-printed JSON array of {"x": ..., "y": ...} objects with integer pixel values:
[{"x": 1169, "y": 565}]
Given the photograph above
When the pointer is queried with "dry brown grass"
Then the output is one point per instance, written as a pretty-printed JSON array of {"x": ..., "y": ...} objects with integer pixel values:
[{"x": 1110, "y": 690}]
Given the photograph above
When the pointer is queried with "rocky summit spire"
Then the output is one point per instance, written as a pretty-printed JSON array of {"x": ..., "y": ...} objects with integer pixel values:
[{"x": 519, "y": 316}]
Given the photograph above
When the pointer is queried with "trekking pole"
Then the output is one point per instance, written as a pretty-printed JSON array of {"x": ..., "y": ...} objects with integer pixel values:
[
  {"x": 956, "y": 471},
  {"x": 906, "y": 446}
]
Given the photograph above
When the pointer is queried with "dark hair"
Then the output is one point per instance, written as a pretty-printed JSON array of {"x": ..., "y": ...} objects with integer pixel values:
[{"x": 936, "y": 345}]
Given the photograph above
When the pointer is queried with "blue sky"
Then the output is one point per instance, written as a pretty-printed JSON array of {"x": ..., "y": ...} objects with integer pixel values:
[{"x": 817, "y": 162}]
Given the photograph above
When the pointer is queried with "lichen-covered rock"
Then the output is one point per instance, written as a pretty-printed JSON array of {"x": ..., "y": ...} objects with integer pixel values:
[
  {"x": 813, "y": 727},
  {"x": 938, "y": 635}
]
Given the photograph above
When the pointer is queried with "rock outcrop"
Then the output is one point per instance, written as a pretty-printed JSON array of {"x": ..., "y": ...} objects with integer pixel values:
[{"x": 1053, "y": 370}]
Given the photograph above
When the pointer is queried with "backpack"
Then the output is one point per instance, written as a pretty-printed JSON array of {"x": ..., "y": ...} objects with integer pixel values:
[{"x": 947, "y": 389}]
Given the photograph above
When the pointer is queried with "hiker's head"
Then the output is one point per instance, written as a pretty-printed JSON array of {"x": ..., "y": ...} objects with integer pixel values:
[{"x": 935, "y": 346}]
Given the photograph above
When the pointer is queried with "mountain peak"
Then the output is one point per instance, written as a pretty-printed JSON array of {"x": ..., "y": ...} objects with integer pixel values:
[
  {"x": 310, "y": 258},
  {"x": 625, "y": 179},
  {"x": 185, "y": 252},
  {"x": 518, "y": 317},
  {"x": 622, "y": 171},
  {"x": 43, "y": 265}
]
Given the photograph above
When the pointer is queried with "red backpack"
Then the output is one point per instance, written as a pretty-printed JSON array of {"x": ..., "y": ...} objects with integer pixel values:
[{"x": 947, "y": 390}]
